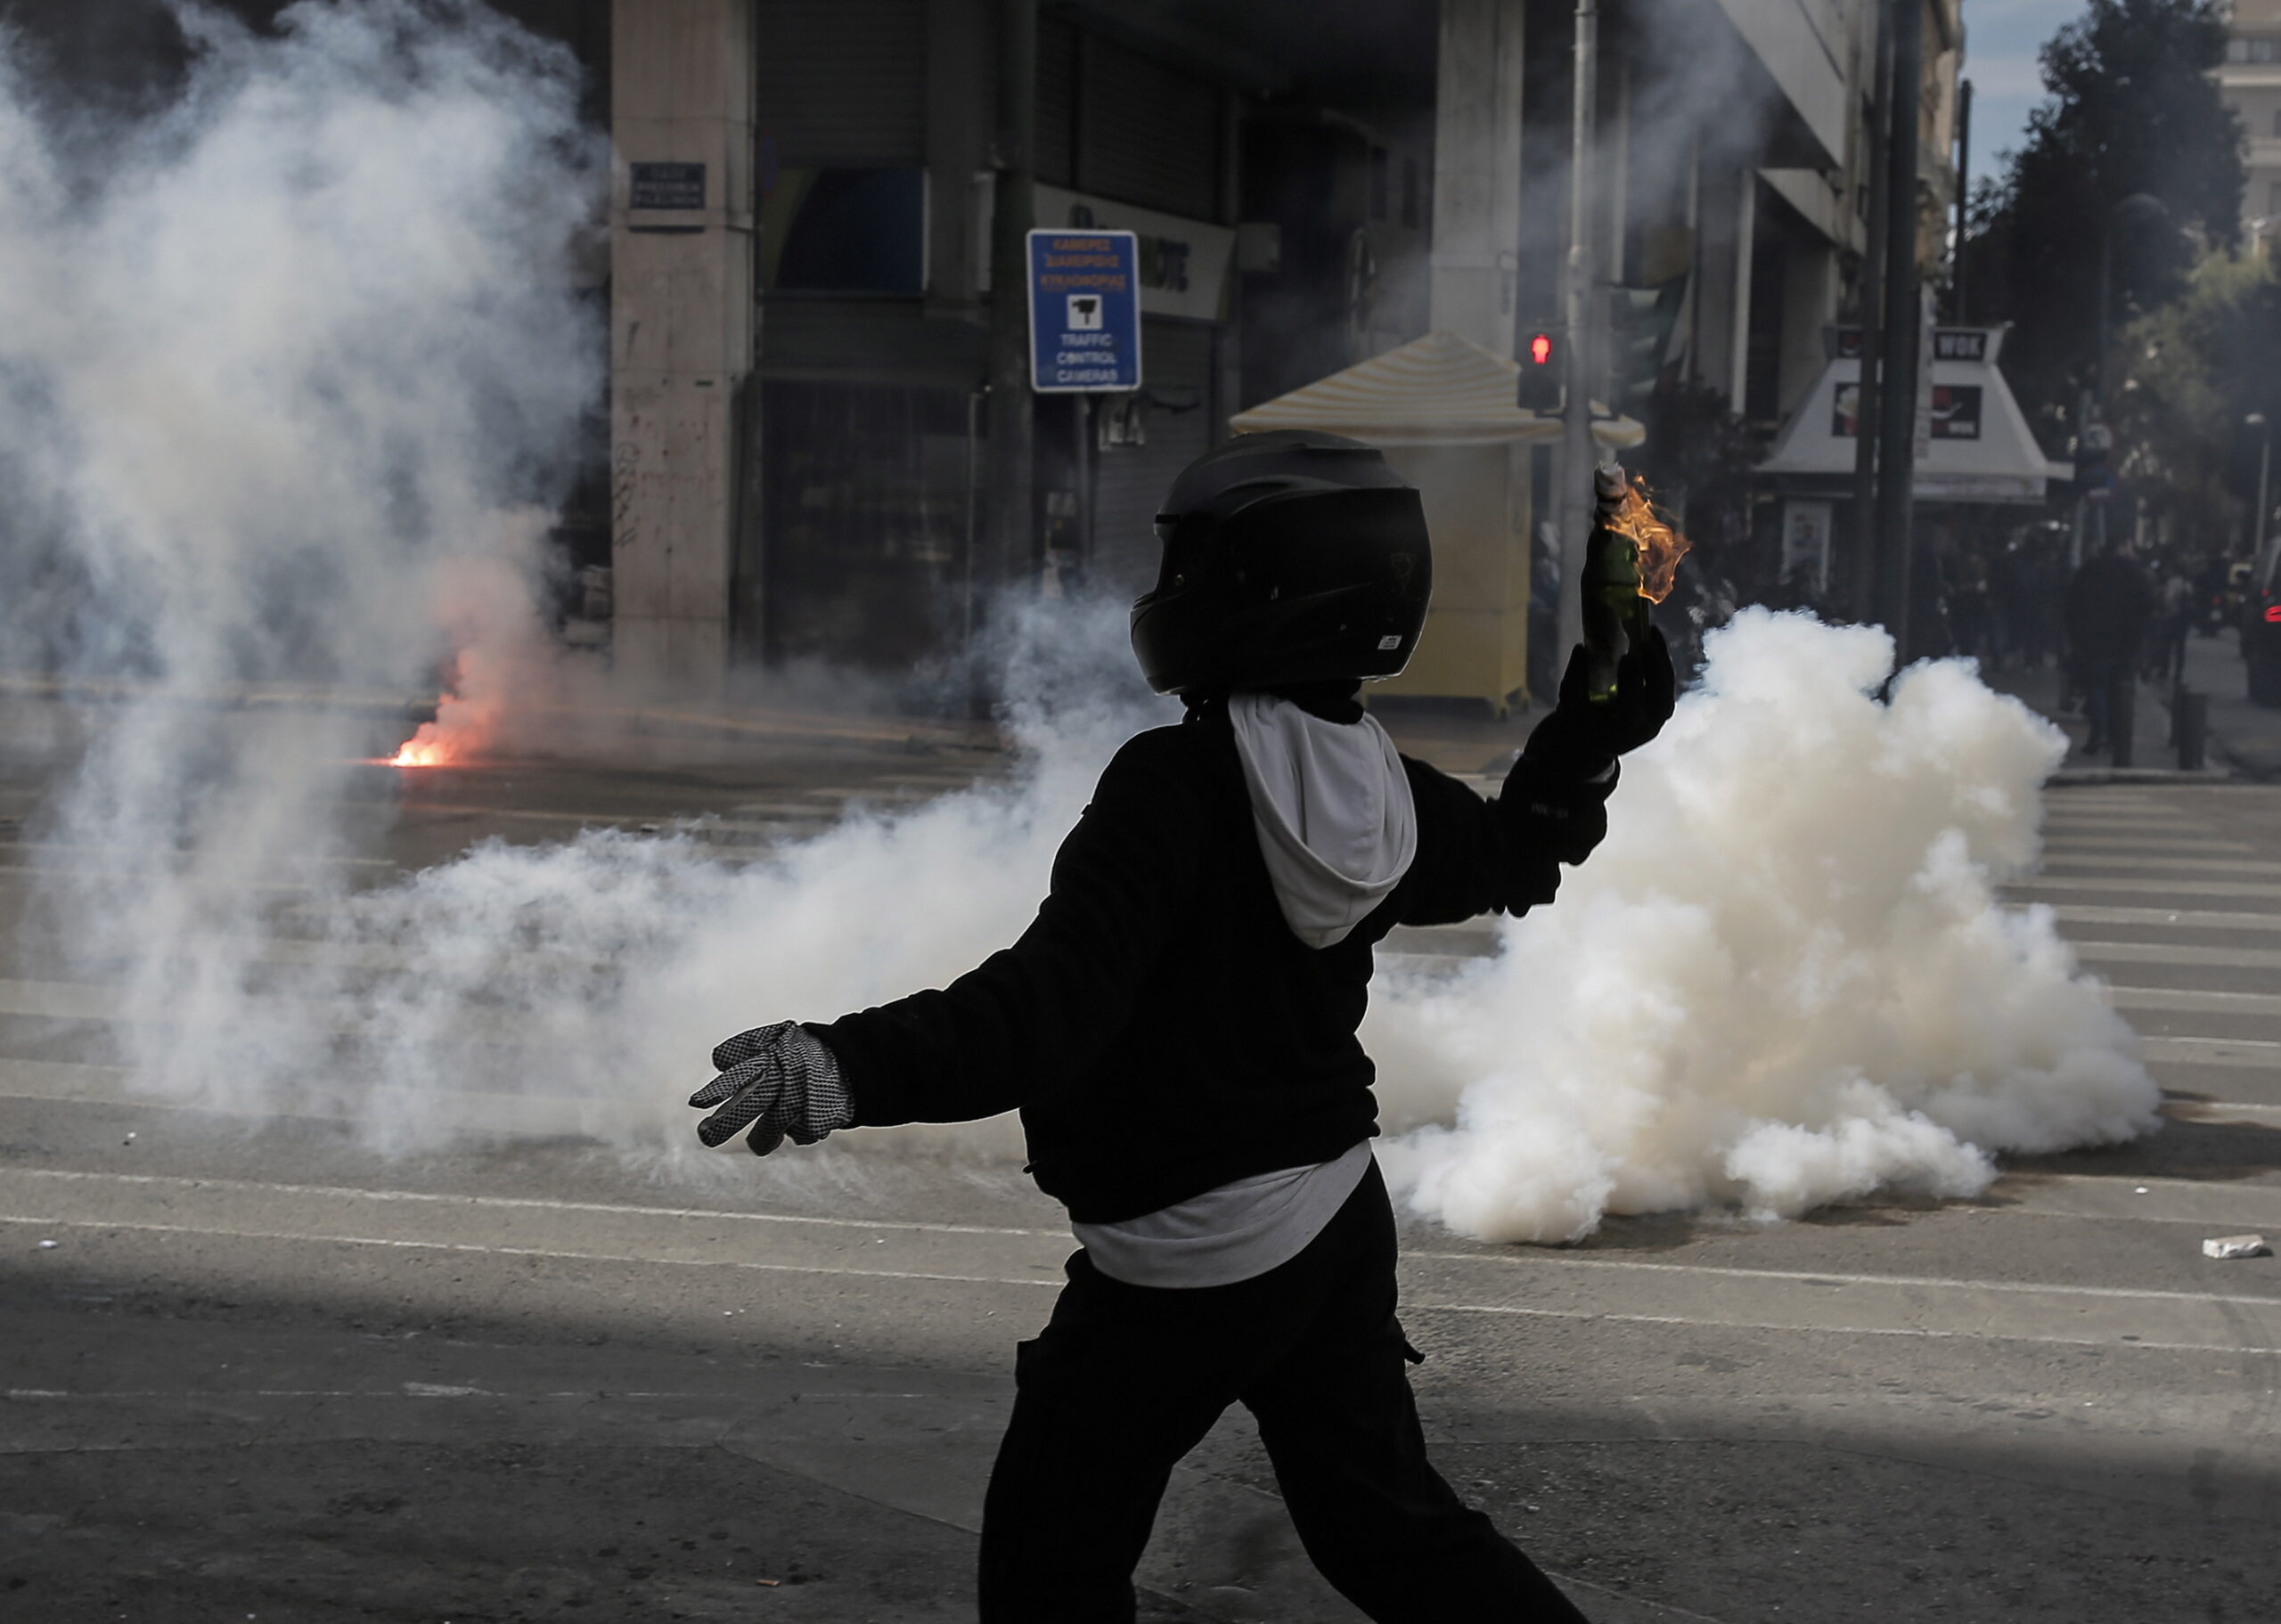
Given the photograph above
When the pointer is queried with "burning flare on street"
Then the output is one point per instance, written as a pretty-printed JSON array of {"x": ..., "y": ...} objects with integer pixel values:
[{"x": 427, "y": 748}]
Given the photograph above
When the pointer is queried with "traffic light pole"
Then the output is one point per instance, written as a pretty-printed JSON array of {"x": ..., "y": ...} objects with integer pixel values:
[
  {"x": 1576, "y": 298},
  {"x": 1862, "y": 578},
  {"x": 1904, "y": 319}
]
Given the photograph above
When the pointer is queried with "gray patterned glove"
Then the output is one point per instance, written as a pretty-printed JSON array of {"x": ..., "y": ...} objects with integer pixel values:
[{"x": 780, "y": 1081}]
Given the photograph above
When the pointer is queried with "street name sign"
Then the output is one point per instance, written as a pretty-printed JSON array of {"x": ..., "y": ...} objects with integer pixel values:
[{"x": 1084, "y": 311}]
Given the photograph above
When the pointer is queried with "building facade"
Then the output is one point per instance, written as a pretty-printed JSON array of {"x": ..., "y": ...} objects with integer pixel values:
[
  {"x": 2250, "y": 81},
  {"x": 801, "y": 276}
]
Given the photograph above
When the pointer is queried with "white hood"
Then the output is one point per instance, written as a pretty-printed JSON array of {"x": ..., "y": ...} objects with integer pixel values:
[{"x": 1332, "y": 807}]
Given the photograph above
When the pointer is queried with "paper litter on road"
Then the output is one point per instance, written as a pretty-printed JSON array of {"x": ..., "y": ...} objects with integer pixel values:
[{"x": 2225, "y": 1246}]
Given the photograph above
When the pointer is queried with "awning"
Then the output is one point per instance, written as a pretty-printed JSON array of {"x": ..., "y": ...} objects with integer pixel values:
[
  {"x": 1981, "y": 450},
  {"x": 1437, "y": 390}
]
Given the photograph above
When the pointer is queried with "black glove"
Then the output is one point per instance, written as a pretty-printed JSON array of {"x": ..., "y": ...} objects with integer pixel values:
[
  {"x": 1583, "y": 736},
  {"x": 779, "y": 1080}
]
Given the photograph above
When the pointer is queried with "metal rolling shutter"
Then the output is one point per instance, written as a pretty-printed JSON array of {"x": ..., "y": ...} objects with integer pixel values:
[
  {"x": 843, "y": 82},
  {"x": 1129, "y": 481},
  {"x": 1150, "y": 134}
]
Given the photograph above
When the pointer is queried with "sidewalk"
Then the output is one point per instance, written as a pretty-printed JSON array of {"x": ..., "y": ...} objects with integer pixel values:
[{"x": 2245, "y": 740}]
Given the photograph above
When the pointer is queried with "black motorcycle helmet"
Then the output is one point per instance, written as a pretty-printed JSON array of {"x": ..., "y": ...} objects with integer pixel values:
[{"x": 1292, "y": 557}]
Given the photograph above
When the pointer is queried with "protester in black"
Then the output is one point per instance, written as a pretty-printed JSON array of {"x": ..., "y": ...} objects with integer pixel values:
[
  {"x": 1178, "y": 1028},
  {"x": 2109, "y": 603}
]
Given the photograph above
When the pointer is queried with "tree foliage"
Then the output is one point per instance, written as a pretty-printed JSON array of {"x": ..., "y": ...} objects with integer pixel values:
[
  {"x": 2192, "y": 373},
  {"x": 2132, "y": 109}
]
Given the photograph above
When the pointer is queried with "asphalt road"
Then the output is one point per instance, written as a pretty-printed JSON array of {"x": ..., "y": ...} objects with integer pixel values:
[{"x": 262, "y": 1374}]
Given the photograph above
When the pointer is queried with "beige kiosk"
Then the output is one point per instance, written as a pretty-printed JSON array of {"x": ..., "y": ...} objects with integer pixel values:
[{"x": 1443, "y": 410}]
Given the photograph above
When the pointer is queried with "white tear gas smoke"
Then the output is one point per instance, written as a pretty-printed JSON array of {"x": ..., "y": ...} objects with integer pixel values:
[
  {"x": 283, "y": 378},
  {"x": 285, "y": 367},
  {"x": 1785, "y": 980},
  {"x": 580, "y": 986}
]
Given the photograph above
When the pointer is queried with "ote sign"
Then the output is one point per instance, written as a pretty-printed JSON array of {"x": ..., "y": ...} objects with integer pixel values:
[{"x": 1084, "y": 311}]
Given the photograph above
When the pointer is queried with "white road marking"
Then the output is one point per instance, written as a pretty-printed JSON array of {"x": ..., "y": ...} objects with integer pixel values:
[
  {"x": 524, "y": 1203},
  {"x": 2224, "y": 1111},
  {"x": 2184, "y": 885},
  {"x": 2178, "y": 1000},
  {"x": 2255, "y": 1054},
  {"x": 2102, "y": 843},
  {"x": 2060, "y": 828},
  {"x": 49, "y": 871},
  {"x": 1533, "y": 1283},
  {"x": 2074, "y": 913},
  {"x": 145, "y": 853},
  {"x": 566, "y": 1254},
  {"x": 2172, "y": 952},
  {"x": 2182, "y": 865},
  {"x": 469, "y": 1111}
]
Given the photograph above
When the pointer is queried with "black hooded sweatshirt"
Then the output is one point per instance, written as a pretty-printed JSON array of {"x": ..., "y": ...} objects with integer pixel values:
[{"x": 1159, "y": 1027}]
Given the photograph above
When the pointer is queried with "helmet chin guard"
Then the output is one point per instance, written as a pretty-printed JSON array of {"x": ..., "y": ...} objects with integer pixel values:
[{"x": 1292, "y": 557}]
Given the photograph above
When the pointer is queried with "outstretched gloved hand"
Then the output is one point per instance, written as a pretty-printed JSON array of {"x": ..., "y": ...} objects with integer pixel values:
[
  {"x": 779, "y": 1081},
  {"x": 1585, "y": 734}
]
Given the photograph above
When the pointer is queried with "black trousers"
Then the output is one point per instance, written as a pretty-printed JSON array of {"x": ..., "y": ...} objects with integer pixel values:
[{"x": 1125, "y": 1380}]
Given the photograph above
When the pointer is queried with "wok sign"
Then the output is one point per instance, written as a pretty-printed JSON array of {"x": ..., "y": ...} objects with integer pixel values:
[{"x": 1084, "y": 311}]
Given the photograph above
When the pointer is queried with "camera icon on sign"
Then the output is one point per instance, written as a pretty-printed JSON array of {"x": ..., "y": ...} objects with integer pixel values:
[{"x": 1085, "y": 314}]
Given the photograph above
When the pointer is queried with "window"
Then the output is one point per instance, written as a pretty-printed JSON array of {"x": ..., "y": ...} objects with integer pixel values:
[
  {"x": 2277, "y": 123},
  {"x": 2253, "y": 48},
  {"x": 2273, "y": 197}
]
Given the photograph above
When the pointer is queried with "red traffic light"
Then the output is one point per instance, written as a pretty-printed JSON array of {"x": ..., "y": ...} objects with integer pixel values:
[
  {"x": 1541, "y": 349},
  {"x": 2273, "y": 613}
]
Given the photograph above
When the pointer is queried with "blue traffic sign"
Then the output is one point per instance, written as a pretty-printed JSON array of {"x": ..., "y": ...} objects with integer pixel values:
[{"x": 1084, "y": 311}]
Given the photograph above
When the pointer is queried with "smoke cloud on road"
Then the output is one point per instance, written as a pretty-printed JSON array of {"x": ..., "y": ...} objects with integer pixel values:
[
  {"x": 289, "y": 366},
  {"x": 1785, "y": 980},
  {"x": 288, "y": 374}
]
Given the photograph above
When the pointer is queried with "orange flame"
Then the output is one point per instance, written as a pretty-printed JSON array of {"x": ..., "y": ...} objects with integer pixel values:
[
  {"x": 461, "y": 732},
  {"x": 427, "y": 748},
  {"x": 1661, "y": 547}
]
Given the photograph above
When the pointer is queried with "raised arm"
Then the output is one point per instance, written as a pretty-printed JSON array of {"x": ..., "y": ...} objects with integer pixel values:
[{"x": 1503, "y": 855}]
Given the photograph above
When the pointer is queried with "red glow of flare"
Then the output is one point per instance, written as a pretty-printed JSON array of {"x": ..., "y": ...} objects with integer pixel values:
[
  {"x": 427, "y": 748},
  {"x": 1661, "y": 547}
]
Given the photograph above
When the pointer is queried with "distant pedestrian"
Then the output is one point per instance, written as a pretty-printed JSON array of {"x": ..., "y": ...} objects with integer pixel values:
[
  {"x": 1969, "y": 605},
  {"x": 1929, "y": 637},
  {"x": 2109, "y": 604},
  {"x": 2166, "y": 652}
]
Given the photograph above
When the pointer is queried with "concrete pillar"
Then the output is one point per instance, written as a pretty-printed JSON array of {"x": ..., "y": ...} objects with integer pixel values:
[
  {"x": 681, "y": 329},
  {"x": 1746, "y": 270},
  {"x": 1477, "y": 171},
  {"x": 1727, "y": 212},
  {"x": 960, "y": 69}
]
